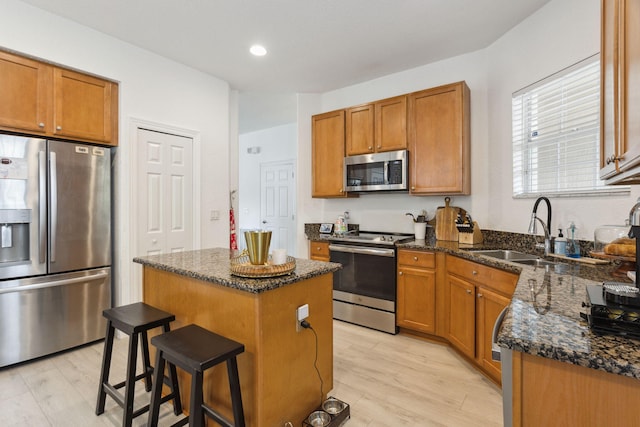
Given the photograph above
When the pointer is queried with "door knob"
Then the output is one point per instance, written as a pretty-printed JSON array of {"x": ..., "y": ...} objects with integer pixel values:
[{"x": 264, "y": 222}]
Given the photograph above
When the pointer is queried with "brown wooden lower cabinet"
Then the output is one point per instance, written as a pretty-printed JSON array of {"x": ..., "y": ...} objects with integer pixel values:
[
  {"x": 416, "y": 291},
  {"x": 453, "y": 298},
  {"x": 548, "y": 392},
  {"x": 319, "y": 251}
]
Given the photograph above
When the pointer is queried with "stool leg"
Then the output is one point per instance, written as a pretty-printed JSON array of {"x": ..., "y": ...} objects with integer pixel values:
[
  {"x": 106, "y": 367},
  {"x": 130, "y": 383},
  {"x": 196, "y": 414},
  {"x": 156, "y": 395},
  {"x": 146, "y": 362},
  {"x": 236, "y": 395},
  {"x": 173, "y": 381}
]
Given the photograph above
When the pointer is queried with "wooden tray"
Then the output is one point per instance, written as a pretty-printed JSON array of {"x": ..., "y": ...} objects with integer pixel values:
[
  {"x": 626, "y": 263},
  {"x": 242, "y": 267}
]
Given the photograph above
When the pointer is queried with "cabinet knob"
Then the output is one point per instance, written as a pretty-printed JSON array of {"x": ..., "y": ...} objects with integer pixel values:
[
  {"x": 379, "y": 146},
  {"x": 475, "y": 273},
  {"x": 341, "y": 190},
  {"x": 479, "y": 295},
  {"x": 58, "y": 127},
  {"x": 318, "y": 248},
  {"x": 415, "y": 258},
  {"x": 41, "y": 124},
  {"x": 154, "y": 241},
  {"x": 413, "y": 188},
  {"x": 468, "y": 291},
  {"x": 370, "y": 148},
  {"x": 399, "y": 273}
]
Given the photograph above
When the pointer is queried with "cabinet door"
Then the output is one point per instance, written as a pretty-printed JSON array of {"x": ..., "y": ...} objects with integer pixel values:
[
  {"x": 439, "y": 140},
  {"x": 319, "y": 251},
  {"x": 461, "y": 330},
  {"x": 620, "y": 86},
  {"x": 327, "y": 160},
  {"x": 417, "y": 299},
  {"x": 359, "y": 127},
  {"x": 391, "y": 124},
  {"x": 25, "y": 94},
  {"x": 83, "y": 106},
  {"x": 489, "y": 306}
]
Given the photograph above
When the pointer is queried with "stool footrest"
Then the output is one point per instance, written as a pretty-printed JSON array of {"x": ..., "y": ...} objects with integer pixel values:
[
  {"x": 136, "y": 378},
  {"x": 115, "y": 394},
  {"x": 216, "y": 416},
  {"x": 182, "y": 422}
]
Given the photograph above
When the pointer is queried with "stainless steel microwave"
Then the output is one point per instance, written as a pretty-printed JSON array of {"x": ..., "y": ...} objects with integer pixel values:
[{"x": 386, "y": 171}]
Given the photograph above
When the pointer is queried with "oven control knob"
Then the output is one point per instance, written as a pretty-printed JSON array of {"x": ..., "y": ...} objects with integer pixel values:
[{"x": 383, "y": 238}]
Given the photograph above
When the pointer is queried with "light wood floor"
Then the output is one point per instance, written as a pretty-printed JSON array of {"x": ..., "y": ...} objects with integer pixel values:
[{"x": 387, "y": 380}]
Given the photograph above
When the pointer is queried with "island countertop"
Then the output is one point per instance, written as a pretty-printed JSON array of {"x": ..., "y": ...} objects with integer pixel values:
[
  {"x": 214, "y": 266},
  {"x": 544, "y": 315}
]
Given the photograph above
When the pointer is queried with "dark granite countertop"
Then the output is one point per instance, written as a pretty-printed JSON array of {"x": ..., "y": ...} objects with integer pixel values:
[
  {"x": 214, "y": 266},
  {"x": 544, "y": 316}
]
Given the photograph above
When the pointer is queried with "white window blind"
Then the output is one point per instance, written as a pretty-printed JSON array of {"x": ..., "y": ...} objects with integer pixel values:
[{"x": 556, "y": 134}]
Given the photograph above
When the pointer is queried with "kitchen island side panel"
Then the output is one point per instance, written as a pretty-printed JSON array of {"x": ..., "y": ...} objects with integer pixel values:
[{"x": 277, "y": 375}]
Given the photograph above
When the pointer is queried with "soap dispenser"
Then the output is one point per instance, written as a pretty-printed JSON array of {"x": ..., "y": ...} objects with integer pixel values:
[
  {"x": 573, "y": 246},
  {"x": 560, "y": 246}
]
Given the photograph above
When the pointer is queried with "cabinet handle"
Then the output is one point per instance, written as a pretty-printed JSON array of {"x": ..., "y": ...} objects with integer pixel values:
[
  {"x": 41, "y": 124},
  {"x": 58, "y": 127},
  {"x": 475, "y": 273},
  {"x": 468, "y": 291},
  {"x": 613, "y": 159}
]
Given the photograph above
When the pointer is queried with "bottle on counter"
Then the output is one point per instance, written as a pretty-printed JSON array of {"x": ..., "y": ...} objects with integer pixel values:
[
  {"x": 560, "y": 245},
  {"x": 573, "y": 246}
]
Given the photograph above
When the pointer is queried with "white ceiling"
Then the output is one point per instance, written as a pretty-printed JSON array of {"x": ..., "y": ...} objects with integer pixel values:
[{"x": 314, "y": 45}]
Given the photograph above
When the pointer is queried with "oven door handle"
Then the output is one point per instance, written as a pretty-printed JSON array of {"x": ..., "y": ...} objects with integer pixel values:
[{"x": 364, "y": 250}]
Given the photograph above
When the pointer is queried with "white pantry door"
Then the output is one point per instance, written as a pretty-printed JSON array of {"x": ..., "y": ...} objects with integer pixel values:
[
  {"x": 165, "y": 193},
  {"x": 277, "y": 201}
]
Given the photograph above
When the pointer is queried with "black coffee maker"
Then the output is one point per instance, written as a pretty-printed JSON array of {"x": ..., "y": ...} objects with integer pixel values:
[{"x": 614, "y": 307}]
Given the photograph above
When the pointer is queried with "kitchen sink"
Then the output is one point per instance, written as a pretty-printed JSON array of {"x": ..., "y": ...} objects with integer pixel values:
[
  {"x": 507, "y": 255},
  {"x": 535, "y": 262}
]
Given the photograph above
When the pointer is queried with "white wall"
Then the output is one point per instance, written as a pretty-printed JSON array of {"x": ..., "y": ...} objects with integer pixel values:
[
  {"x": 152, "y": 89},
  {"x": 276, "y": 144},
  {"x": 558, "y": 35}
]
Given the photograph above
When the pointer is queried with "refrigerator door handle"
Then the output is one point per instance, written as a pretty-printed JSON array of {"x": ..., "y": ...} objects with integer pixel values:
[
  {"x": 55, "y": 283},
  {"x": 42, "y": 206},
  {"x": 54, "y": 206}
]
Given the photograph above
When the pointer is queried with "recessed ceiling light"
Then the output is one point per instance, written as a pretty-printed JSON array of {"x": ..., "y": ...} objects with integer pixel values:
[{"x": 258, "y": 50}]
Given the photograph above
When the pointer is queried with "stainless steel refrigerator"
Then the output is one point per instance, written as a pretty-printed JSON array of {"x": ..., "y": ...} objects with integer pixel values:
[{"x": 55, "y": 245}]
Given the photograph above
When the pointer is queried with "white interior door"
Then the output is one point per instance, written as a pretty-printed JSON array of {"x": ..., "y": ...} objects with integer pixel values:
[
  {"x": 277, "y": 202},
  {"x": 165, "y": 193}
]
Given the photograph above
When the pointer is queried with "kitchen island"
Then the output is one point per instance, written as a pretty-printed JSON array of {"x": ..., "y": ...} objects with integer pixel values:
[
  {"x": 277, "y": 375},
  {"x": 562, "y": 372}
]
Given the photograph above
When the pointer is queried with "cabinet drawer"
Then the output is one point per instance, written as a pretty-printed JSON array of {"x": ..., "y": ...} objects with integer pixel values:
[
  {"x": 416, "y": 258},
  {"x": 499, "y": 280},
  {"x": 319, "y": 249}
]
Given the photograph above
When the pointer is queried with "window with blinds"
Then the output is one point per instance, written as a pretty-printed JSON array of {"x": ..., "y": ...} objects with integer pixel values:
[{"x": 556, "y": 134}]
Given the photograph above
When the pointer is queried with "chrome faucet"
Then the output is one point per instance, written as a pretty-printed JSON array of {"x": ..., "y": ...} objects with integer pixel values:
[{"x": 533, "y": 225}]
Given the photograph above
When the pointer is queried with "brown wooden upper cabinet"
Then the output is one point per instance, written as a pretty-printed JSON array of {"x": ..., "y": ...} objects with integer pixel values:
[
  {"x": 377, "y": 127},
  {"x": 84, "y": 106},
  {"x": 439, "y": 148},
  {"x": 25, "y": 94},
  {"x": 327, "y": 141},
  {"x": 45, "y": 100},
  {"x": 620, "y": 92}
]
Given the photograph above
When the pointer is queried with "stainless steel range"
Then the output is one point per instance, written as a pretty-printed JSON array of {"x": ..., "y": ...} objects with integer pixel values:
[{"x": 364, "y": 290}]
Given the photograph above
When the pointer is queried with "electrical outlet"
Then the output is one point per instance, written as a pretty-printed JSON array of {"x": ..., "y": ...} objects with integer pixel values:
[{"x": 302, "y": 313}]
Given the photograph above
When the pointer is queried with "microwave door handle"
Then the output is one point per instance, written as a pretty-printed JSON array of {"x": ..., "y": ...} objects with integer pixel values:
[{"x": 386, "y": 172}]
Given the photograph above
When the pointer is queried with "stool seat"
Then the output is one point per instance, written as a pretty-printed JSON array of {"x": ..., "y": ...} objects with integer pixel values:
[
  {"x": 195, "y": 349},
  {"x": 134, "y": 320}
]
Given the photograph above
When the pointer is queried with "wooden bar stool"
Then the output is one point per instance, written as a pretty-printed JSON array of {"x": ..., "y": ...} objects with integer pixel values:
[
  {"x": 135, "y": 320},
  {"x": 195, "y": 350}
]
